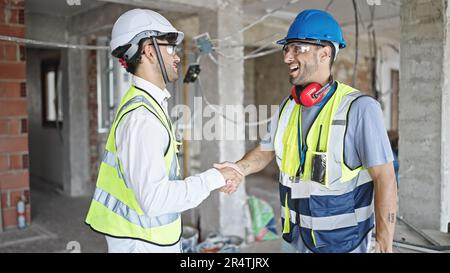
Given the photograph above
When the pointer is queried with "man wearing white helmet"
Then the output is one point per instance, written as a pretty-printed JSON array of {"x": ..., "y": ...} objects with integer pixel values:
[{"x": 139, "y": 194}]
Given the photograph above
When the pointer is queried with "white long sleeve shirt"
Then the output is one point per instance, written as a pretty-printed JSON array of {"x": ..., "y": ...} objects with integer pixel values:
[{"x": 141, "y": 141}]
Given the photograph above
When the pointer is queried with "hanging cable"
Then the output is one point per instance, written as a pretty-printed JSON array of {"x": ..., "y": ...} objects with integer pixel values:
[
  {"x": 262, "y": 40},
  {"x": 375, "y": 53},
  {"x": 50, "y": 44},
  {"x": 329, "y": 5},
  {"x": 355, "y": 64},
  {"x": 261, "y": 19},
  {"x": 259, "y": 49},
  {"x": 251, "y": 55},
  {"x": 261, "y": 54}
]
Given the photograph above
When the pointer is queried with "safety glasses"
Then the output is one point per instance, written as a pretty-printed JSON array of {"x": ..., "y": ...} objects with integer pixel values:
[
  {"x": 299, "y": 47},
  {"x": 172, "y": 49}
]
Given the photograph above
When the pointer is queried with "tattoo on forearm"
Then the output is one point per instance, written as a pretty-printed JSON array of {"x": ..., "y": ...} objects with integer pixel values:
[
  {"x": 244, "y": 166},
  {"x": 257, "y": 160},
  {"x": 391, "y": 217}
]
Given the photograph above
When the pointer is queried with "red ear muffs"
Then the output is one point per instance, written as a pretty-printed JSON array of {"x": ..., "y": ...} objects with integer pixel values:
[
  {"x": 309, "y": 96},
  {"x": 294, "y": 94}
]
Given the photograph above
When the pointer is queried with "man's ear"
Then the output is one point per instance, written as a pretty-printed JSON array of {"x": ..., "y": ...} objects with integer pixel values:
[
  {"x": 325, "y": 54},
  {"x": 149, "y": 52}
]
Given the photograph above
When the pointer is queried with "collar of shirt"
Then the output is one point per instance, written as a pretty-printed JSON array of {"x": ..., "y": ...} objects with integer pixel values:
[{"x": 161, "y": 96}]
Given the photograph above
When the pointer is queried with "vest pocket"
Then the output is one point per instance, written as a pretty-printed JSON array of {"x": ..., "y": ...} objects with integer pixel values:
[
  {"x": 318, "y": 167},
  {"x": 316, "y": 164}
]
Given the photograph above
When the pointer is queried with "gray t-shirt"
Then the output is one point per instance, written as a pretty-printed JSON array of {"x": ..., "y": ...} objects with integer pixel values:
[{"x": 366, "y": 141}]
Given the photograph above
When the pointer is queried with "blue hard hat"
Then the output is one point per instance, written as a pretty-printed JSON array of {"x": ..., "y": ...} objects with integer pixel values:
[{"x": 312, "y": 24}]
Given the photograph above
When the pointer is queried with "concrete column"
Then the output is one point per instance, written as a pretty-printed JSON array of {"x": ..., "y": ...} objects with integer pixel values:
[
  {"x": 75, "y": 130},
  {"x": 223, "y": 84},
  {"x": 424, "y": 123}
]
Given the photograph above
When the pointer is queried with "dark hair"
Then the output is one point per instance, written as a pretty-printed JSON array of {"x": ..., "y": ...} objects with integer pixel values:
[{"x": 134, "y": 62}]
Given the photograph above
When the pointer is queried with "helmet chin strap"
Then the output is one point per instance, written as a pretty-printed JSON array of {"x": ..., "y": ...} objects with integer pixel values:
[{"x": 160, "y": 60}]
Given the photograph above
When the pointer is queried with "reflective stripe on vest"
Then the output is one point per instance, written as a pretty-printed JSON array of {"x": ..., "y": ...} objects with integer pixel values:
[
  {"x": 115, "y": 205},
  {"x": 306, "y": 188},
  {"x": 331, "y": 206},
  {"x": 339, "y": 221},
  {"x": 109, "y": 158},
  {"x": 142, "y": 99}
]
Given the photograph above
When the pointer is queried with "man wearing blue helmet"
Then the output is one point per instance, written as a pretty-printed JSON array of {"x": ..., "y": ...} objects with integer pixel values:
[{"x": 337, "y": 179}]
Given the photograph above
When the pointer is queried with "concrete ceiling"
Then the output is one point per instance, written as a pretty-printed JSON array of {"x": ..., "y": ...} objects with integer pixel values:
[
  {"x": 341, "y": 9},
  {"x": 60, "y": 7},
  {"x": 386, "y": 16}
]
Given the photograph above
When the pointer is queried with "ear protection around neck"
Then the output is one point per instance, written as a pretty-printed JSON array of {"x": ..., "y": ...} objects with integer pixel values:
[{"x": 311, "y": 94}]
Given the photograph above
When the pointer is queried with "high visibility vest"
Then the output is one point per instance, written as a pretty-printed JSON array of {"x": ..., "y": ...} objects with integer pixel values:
[
  {"x": 114, "y": 209},
  {"x": 335, "y": 215}
]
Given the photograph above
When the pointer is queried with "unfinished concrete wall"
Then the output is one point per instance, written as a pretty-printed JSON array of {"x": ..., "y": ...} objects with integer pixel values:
[
  {"x": 66, "y": 167},
  {"x": 76, "y": 131},
  {"x": 45, "y": 142},
  {"x": 221, "y": 212},
  {"x": 424, "y": 133},
  {"x": 445, "y": 133},
  {"x": 46, "y": 146},
  {"x": 250, "y": 101}
]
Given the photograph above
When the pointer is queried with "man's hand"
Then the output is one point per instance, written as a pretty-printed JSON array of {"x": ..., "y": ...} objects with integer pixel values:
[
  {"x": 252, "y": 162},
  {"x": 229, "y": 165},
  {"x": 232, "y": 184},
  {"x": 232, "y": 178},
  {"x": 379, "y": 248}
]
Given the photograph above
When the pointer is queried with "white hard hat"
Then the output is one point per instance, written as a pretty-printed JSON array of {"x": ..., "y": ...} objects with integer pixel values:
[{"x": 136, "y": 24}]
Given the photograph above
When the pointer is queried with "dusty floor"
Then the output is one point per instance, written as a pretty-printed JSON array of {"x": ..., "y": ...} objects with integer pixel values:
[{"x": 58, "y": 225}]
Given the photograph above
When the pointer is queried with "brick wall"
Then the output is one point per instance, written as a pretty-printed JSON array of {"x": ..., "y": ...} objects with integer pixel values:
[{"x": 14, "y": 175}]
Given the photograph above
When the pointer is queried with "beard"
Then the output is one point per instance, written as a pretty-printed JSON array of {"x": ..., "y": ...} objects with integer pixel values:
[
  {"x": 304, "y": 73},
  {"x": 171, "y": 73}
]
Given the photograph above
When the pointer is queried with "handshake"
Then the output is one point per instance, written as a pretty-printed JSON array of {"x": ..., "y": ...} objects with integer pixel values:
[{"x": 233, "y": 176}]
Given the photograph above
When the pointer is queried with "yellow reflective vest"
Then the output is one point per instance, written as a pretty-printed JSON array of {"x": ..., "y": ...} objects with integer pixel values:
[
  {"x": 335, "y": 214},
  {"x": 114, "y": 209}
]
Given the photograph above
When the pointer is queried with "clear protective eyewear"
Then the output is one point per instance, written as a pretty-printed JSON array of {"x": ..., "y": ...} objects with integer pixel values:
[
  {"x": 172, "y": 49},
  {"x": 299, "y": 47}
]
